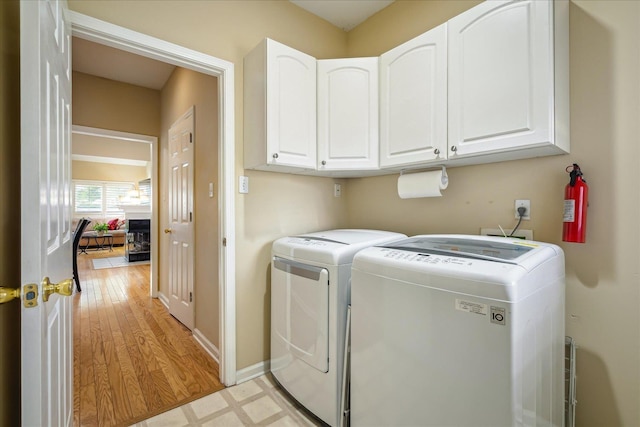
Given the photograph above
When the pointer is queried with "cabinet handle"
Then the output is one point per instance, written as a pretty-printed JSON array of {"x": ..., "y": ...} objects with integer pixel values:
[
  {"x": 454, "y": 148},
  {"x": 436, "y": 151},
  {"x": 324, "y": 162},
  {"x": 275, "y": 155}
]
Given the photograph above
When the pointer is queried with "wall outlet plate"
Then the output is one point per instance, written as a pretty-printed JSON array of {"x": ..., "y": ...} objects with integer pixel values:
[{"x": 525, "y": 204}]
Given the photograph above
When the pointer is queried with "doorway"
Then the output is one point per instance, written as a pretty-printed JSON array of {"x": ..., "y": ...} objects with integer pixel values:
[
  {"x": 153, "y": 150},
  {"x": 117, "y": 37}
]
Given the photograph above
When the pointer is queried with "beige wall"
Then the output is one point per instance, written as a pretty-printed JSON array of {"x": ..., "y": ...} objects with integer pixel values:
[
  {"x": 602, "y": 275},
  {"x": 183, "y": 90},
  {"x": 108, "y": 172},
  {"x": 9, "y": 210},
  {"x": 107, "y": 104}
]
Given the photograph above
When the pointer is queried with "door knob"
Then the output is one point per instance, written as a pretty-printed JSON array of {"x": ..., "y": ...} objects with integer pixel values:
[
  {"x": 63, "y": 288},
  {"x": 167, "y": 230}
]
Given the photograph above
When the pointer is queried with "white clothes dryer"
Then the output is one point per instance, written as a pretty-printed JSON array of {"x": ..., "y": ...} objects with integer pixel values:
[
  {"x": 453, "y": 330},
  {"x": 310, "y": 292}
]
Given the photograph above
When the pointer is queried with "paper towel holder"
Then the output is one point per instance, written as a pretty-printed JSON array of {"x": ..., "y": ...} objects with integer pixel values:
[{"x": 445, "y": 177}]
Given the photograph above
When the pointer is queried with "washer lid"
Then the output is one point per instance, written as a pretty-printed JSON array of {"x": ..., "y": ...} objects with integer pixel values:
[{"x": 465, "y": 247}]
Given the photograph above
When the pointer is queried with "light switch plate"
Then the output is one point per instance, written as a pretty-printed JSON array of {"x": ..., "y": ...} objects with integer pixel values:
[{"x": 243, "y": 184}]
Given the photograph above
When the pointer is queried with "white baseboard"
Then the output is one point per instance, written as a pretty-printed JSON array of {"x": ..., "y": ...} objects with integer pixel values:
[
  {"x": 208, "y": 346},
  {"x": 163, "y": 299},
  {"x": 253, "y": 371}
]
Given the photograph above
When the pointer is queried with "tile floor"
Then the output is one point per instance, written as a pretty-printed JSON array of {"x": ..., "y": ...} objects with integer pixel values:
[{"x": 259, "y": 402}]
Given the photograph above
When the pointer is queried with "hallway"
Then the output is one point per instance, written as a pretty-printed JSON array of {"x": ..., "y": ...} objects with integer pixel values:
[{"x": 132, "y": 359}]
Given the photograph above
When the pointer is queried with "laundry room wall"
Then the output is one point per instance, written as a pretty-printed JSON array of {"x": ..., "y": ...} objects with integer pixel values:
[{"x": 602, "y": 298}]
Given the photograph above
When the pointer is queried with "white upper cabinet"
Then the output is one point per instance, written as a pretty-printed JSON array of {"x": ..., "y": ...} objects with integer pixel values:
[
  {"x": 508, "y": 93},
  {"x": 348, "y": 114},
  {"x": 413, "y": 101},
  {"x": 279, "y": 108}
]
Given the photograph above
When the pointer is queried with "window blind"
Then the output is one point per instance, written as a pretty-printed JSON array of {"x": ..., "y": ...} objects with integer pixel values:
[{"x": 99, "y": 197}]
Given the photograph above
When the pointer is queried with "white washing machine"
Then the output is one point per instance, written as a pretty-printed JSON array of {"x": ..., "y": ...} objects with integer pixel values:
[
  {"x": 453, "y": 330},
  {"x": 310, "y": 291}
]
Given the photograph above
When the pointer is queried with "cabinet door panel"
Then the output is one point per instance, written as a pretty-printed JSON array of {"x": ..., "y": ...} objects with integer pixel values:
[
  {"x": 348, "y": 114},
  {"x": 291, "y": 107},
  {"x": 413, "y": 101},
  {"x": 500, "y": 77}
]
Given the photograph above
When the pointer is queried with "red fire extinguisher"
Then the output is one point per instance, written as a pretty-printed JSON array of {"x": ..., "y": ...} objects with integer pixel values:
[{"x": 575, "y": 207}]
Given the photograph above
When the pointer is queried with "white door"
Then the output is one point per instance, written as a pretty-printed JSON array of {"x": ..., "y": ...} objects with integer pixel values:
[
  {"x": 348, "y": 114},
  {"x": 500, "y": 77},
  {"x": 47, "y": 341},
  {"x": 413, "y": 101},
  {"x": 181, "y": 244}
]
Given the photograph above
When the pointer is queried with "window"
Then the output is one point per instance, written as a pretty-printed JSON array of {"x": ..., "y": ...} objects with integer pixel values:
[{"x": 100, "y": 197}]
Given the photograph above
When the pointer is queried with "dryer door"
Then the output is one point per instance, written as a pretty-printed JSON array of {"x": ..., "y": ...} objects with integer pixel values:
[{"x": 300, "y": 311}]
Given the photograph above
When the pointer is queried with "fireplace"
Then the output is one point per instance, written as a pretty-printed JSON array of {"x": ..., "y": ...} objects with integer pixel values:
[{"x": 138, "y": 247}]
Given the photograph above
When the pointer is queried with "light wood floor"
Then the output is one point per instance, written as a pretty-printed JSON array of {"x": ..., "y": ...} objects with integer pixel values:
[{"x": 132, "y": 359}]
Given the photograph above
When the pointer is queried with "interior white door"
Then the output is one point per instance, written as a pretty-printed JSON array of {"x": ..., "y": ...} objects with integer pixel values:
[
  {"x": 181, "y": 246},
  {"x": 47, "y": 341}
]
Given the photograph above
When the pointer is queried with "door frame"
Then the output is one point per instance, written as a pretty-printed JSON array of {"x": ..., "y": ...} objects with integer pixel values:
[
  {"x": 153, "y": 141},
  {"x": 95, "y": 30}
]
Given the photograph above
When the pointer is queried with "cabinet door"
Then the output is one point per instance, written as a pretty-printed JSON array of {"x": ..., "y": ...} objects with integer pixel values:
[
  {"x": 413, "y": 101},
  {"x": 500, "y": 77},
  {"x": 348, "y": 114},
  {"x": 291, "y": 107}
]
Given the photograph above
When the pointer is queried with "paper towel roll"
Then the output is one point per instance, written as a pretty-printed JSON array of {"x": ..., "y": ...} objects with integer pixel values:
[{"x": 422, "y": 184}]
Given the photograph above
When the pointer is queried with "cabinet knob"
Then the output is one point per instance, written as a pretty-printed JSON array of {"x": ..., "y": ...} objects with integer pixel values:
[
  {"x": 324, "y": 162},
  {"x": 454, "y": 148},
  {"x": 275, "y": 155},
  {"x": 436, "y": 151}
]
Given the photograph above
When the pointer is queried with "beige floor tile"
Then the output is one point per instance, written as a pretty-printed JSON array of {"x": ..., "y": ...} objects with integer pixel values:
[
  {"x": 208, "y": 405},
  {"x": 244, "y": 390},
  {"x": 285, "y": 422},
  {"x": 173, "y": 418},
  {"x": 230, "y": 419},
  {"x": 261, "y": 409}
]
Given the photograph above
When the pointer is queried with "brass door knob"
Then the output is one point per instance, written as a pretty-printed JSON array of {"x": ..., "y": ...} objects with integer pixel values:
[
  {"x": 63, "y": 288},
  {"x": 167, "y": 230}
]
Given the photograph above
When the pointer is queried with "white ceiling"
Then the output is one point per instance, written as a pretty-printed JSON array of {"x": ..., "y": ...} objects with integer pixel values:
[{"x": 345, "y": 14}]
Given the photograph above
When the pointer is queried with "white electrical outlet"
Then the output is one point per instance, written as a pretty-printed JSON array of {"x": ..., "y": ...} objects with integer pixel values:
[
  {"x": 337, "y": 190},
  {"x": 525, "y": 204},
  {"x": 243, "y": 184}
]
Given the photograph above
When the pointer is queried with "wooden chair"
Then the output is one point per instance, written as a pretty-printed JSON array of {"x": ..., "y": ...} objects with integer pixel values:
[{"x": 77, "y": 235}]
